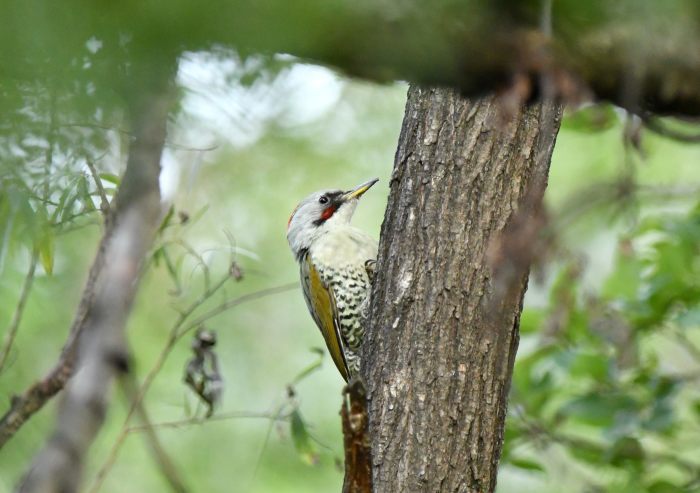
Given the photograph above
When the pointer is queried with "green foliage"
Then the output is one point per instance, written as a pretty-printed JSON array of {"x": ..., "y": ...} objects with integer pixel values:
[{"x": 602, "y": 381}]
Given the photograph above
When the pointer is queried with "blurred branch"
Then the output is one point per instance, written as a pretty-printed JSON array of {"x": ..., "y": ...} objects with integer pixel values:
[
  {"x": 23, "y": 406},
  {"x": 201, "y": 420},
  {"x": 19, "y": 311},
  {"x": 658, "y": 127},
  {"x": 102, "y": 352},
  {"x": 104, "y": 201},
  {"x": 108, "y": 128},
  {"x": 627, "y": 54},
  {"x": 165, "y": 464},
  {"x": 288, "y": 401},
  {"x": 178, "y": 330}
]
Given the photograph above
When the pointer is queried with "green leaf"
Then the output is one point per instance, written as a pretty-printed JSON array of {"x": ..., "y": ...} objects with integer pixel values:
[
  {"x": 592, "y": 365},
  {"x": 665, "y": 487},
  {"x": 591, "y": 453},
  {"x": 302, "y": 440},
  {"x": 527, "y": 464},
  {"x": 531, "y": 320},
  {"x": 627, "y": 451},
  {"x": 45, "y": 247},
  {"x": 166, "y": 220},
  {"x": 320, "y": 353},
  {"x": 84, "y": 194},
  {"x": 595, "y": 118},
  {"x": 598, "y": 409},
  {"x": 696, "y": 407},
  {"x": 624, "y": 281},
  {"x": 111, "y": 178},
  {"x": 66, "y": 201}
]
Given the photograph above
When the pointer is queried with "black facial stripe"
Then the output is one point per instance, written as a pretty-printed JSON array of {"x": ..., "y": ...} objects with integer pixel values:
[
  {"x": 334, "y": 196},
  {"x": 334, "y": 200}
]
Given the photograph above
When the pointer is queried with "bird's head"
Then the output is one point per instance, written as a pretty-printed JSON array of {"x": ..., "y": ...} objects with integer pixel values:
[{"x": 320, "y": 212}]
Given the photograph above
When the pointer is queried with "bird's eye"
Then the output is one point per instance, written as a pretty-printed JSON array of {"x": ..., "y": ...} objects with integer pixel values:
[{"x": 323, "y": 200}]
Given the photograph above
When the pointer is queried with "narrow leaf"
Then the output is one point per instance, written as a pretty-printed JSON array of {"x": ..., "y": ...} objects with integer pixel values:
[{"x": 302, "y": 440}]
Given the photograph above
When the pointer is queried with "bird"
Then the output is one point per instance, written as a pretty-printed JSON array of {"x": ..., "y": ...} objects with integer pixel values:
[{"x": 336, "y": 263}]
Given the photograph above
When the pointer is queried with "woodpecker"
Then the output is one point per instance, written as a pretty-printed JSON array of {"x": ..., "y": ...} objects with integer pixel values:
[{"x": 334, "y": 265}]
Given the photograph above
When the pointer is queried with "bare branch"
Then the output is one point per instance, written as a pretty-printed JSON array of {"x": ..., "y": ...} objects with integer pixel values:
[
  {"x": 104, "y": 201},
  {"x": 177, "y": 331},
  {"x": 102, "y": 347},
  {"x": 162, "y": 459},
  {"x": 108, "y": 128},
  {"x": 202, "y": 420},
  {"x": 19, "y": 311}
]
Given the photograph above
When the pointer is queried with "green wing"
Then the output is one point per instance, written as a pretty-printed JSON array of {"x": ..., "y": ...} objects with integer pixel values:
[{"x": 321, "y": 302}]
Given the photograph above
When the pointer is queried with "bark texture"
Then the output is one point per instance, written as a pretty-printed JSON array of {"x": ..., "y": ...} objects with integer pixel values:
[
  {"x": 358, "y": 455},
  {"x": 451, "y": 275}
]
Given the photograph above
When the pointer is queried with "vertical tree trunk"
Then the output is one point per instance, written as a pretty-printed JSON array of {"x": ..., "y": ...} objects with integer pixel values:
[
  {"x": 451, "y": 274},
  {"x": 102, "y": 350}
]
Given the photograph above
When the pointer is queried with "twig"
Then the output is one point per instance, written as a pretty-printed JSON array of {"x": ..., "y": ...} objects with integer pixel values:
[
  {"x": 200, "y": 261},
  {"x": 227, "y": 305},
  {"x": 19, "y": 311},
  {"x": 104, "y": 202},
  {"x": 178, "y": 330},
  {"x": 172, "y": 145},
  {"x": 139, "y": 395},
  {"x": 201, "y": 420},
  {"x": 24, "y": 406},
  {"x": 268, "y": 433},
  {"x": 165, "y": 464}
]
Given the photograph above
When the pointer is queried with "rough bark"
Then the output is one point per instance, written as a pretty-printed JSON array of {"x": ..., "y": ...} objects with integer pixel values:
[
  {"x": 451, "y": 275},
  {"x": 358, "y": 455}
]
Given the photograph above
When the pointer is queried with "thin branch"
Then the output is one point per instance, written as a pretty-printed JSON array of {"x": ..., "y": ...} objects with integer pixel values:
[
  {"x": 104, "y": 201},
  {"x": 177, "y": 331},
  {"x": 200, "y": 261},
  {"x": 266, "y": 440},
  {"x": 202, "y": 420},
  {"x": 24, "y": 406},
  {"x": 108, "y": 128},
  {"x": 162, "y": 459},
  {"x": 19, "y": 311},
  {"x": 227, "y": 305}
]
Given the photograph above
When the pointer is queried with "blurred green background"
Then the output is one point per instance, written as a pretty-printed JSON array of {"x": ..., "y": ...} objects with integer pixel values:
[{"x": 605, "y": 393}]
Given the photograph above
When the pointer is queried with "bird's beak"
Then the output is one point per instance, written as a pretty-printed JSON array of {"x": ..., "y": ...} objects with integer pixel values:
[{"x": 357, "y": 192}]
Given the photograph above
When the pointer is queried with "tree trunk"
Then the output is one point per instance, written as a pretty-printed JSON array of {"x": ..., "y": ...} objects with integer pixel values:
[{"x": 453, "y": 263}]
